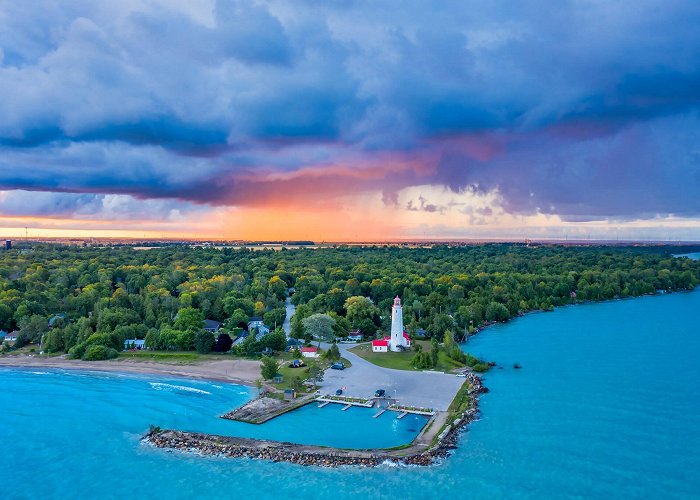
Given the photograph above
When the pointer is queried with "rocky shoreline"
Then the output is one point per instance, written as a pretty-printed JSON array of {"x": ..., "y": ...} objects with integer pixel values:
[{"x": 275, "y": 451}]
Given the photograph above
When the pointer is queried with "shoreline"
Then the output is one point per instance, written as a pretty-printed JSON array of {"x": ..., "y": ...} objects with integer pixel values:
[
  {"x": 236, "y": 371},
  {"x": 435, "y": 441}
]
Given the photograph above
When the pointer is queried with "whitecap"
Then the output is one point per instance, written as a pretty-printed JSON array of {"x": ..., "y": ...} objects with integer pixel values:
[{"x": 158, "y": 386}]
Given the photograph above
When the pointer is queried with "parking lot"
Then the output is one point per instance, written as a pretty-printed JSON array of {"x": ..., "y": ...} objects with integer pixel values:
[{"x": 423, "y": 389}]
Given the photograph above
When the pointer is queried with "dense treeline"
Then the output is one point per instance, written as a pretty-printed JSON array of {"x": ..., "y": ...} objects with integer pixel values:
[{"x": 106, "y": 295}]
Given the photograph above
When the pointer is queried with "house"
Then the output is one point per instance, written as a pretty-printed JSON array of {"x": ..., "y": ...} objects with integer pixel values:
[
  {"x": 355, "y": 336},
  {"x": 290, "y": 394},
  {"x": 381, "y": 345},
  {"x": 406, "y": 339},
  {"x": 257, "y": 322},
  {"x": 56, "y": 317},
  {"x": 278, "y": 379},
  {"x": 241, "y": 338},
  {"x": 309, "y": 352},
  {"x": 211, "y": 326},
  {"x": 420, "y": 332},
  {"x": 11, "y": 337},
  {"x": 134, "y": 344}
]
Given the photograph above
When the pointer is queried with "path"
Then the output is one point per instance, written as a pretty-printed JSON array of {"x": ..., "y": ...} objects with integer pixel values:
[{"x": 290, "y": 308}]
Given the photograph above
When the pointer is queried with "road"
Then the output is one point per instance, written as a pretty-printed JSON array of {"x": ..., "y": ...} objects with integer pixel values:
[{"x": 290, "y": 308}]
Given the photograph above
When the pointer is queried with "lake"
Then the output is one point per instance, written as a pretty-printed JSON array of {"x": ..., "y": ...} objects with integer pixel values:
[{"x": 606, "y": 404}]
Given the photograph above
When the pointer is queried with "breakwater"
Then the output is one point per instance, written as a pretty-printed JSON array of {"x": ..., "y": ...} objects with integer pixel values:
[{"x": 434, "y": 443}]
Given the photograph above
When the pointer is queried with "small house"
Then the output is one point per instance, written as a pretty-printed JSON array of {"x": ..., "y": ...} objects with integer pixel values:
[
  {"x": 211, "y": 326},
  {"x": 134, "y": 344},
  {"x": 278, "y": 379},
  {"x": 421, "y": 333},
  {"x": 355, "y": 336},
  {"x": 11, "y": 337},
  {"x": 407, "y": 339},
  {"x": 290, "y": 394},
  {"x": 309, "y": 352},
  {"x": 380, "y": 345}
]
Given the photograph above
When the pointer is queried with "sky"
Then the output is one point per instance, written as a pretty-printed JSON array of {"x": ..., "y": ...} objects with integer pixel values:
[{"x": 350, "y": 120}]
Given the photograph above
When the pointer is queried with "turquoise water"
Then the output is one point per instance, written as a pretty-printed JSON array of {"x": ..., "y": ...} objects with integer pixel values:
[
  {"x": 607, "y": 404},
  {"x": 694, "y": 256}
]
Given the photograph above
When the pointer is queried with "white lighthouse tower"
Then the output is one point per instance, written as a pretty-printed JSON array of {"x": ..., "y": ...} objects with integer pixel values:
[{"x": 398, "y": 339}]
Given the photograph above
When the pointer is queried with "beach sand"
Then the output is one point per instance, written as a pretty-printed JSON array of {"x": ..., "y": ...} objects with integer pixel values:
[{"x": 237, "y": 371}]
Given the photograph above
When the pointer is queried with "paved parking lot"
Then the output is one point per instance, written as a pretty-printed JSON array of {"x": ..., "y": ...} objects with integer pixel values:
[{"x": 423, "y": 389}]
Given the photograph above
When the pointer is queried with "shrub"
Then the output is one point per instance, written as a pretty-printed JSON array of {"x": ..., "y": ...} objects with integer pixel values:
[
  {"x": 78, "y": 350},
  {"x": 99, "y": 352},
  {"x": 204, "y": 341}
]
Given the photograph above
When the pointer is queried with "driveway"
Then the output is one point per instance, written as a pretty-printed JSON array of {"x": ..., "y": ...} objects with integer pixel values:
[{"x": 424, "y": 389}]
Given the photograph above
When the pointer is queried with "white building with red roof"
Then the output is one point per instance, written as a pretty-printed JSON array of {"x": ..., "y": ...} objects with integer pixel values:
[
  {"x": 309, "y": 352},
  {"x": 381, "y": 345}
]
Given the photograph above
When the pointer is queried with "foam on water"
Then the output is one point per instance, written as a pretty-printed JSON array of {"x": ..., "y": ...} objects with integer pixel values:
[{"x": 158, "y": 386}]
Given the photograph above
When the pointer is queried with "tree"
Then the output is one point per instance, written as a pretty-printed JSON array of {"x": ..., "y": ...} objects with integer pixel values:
[
  {"x": 297, "y": 384},
  {"x": 320, "y": 326},
  {"x": 362, "y": 314},
  {"x": 315, "y": 373},
  {"x": 332, "y": 354},
  {"x": 189, "y": 319},
  {"x": 441, "y": 324},
  {"x": 434, "y": 352},
  {"x": 223, "y": 343},
  {"x": 204, "y": 341},
  {"x": 268, "y": 369},
  {"x": 31, "y": 329},
  {"x": 277, "y": 287},
  {"x": 497, "y": 312},
  {"x": 259, "y": 385}
]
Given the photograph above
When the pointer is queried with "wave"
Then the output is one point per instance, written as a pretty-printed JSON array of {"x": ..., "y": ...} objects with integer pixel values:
[
  {"x": 40, "y": 373},
  {"x": 159, "y": 386}
]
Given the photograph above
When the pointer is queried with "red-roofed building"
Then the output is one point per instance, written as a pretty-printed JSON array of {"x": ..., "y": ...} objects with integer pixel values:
[
  {"x": 381, "y": 345},
  {"x": 407, "y": 339},
  {"x": 309, "y": 352}
]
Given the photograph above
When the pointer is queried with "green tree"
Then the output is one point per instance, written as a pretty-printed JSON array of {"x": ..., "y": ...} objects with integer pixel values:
[
  {"x": 332, "y": 354},
  {"x": 189, "y": 319},
  {"x": 268, "y": 368},
  {"x": 204, "y": 341},
  {"x": 320, "y": 326}
]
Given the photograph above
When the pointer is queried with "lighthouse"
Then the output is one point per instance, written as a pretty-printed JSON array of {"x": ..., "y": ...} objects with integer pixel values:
[{"x": 399, "y": 339}]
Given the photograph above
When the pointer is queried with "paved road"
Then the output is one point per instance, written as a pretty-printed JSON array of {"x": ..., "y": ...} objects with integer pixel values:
[
  {"x": 425, "y": 389},
  {"x": 287, "y": 325}
]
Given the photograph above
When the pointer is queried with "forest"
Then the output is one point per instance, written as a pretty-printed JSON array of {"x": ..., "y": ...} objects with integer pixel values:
[{"x": 89, "y": 300}]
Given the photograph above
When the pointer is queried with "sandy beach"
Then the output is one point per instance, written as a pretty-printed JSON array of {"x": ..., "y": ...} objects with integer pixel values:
[{"x": 237, "y": 371}]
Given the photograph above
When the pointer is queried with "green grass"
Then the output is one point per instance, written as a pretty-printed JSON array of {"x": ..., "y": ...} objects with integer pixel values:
[
  {"x": 402, "y": 360},
  {"x": 163, "y": 356}
]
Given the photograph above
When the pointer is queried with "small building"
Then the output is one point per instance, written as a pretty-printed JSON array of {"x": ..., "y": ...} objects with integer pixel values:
[
  {"x": 355, "y": 336},
  {"x": 309, "y": 352},
  {"x": 137, "y": 344},
  {"x": 53, "y": 319},
  {"x": 380, "y": 345},
  {"x": 256, "y": 322},
  {"x": 290, "y": 394},
  {"x": 420, "y": 332},
  {"x": 406, "y": 339},
  {"x": 211, "y": 326},
  {"x": 11, "y": 337},
  {"x": 8, "y": 244},
  {"x": 278, "y": 379}
]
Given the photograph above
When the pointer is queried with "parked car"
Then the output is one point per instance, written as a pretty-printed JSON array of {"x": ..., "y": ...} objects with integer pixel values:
[
  {"x": 338, "y": 366},
  {"x": 339, "y": 392},
  {"x": 379, "y": 393}
]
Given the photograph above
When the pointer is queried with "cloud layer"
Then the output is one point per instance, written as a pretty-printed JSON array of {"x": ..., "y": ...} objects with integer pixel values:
[{"x": 586, "y": 110}]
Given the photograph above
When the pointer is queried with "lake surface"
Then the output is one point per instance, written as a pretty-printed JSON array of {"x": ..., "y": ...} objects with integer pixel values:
[{"x": 606, "y": 405}]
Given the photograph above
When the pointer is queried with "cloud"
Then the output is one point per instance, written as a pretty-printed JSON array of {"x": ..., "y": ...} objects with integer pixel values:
[{"x": 587, "y": 110}]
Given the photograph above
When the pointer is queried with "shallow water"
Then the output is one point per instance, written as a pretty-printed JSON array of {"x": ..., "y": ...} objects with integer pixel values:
[{"x": 607, "y": 404}]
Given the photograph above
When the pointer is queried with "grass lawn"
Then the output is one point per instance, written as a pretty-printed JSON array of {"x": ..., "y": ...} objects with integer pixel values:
[
  {"x": 402, "y": 360},
  {"x": 163, "y": 356}
]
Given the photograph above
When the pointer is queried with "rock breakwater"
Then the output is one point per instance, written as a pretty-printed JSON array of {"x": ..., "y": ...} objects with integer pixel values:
[{"x": 429, "y": 447}]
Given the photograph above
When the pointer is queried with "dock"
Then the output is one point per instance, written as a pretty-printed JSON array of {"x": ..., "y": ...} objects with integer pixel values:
[
  {"x": 346, "y": 407},
  {"x": 324, "y": 404},
  {"x": 379, "y": 413},
  {"x": 402, "y": 415}
]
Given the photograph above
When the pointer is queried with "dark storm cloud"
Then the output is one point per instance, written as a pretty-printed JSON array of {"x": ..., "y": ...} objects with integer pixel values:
[{"x": 582, "y": 109}]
